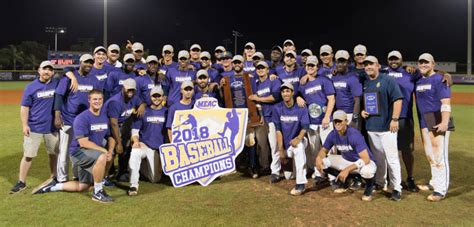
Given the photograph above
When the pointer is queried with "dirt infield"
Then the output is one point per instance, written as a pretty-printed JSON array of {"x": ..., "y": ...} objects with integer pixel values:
[{"x": 14, "y": 97}]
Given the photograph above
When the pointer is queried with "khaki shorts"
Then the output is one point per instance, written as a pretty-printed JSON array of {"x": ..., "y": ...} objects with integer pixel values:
[{"x": 31, "y": 143}]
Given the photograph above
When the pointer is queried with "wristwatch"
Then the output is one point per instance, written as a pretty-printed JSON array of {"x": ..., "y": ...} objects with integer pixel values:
[{"x": 394, "y": 119}]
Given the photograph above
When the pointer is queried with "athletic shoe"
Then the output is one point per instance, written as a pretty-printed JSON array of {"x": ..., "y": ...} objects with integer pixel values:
[
  {"x": 19, "y": 186},
  {"x": 396, "y": 195},
  {"x": 341, "y": 187},
  {"x": 356, "y": 184},
  {"x": 274, "y": 178},
  {"x": 45, "y": 186},
  {"x": 108, "y": 182},
  {"x": 132, "y": 191},
  {"x": 411, "y": 186},
  {"x": 425, "y": 187},
  {"x": 297, "y": 190},
  {"x": 101, "y": 196},
  {"x": 367, "y": 196},
  {"x": 381, "y": 188},
  {"x": 254, "y": 173},
  {"x": 435, "y": 197},
  {"x": 318, "y": 181}
]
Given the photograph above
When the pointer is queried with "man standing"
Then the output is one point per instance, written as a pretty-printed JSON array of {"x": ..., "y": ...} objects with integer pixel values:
[
  {"x": 176, "y": 76},
  {"x": 383, "y": 104},
  {"x": 203, "y": 89},
  {"x": 36, "y": 115},
  {"x": 327, "y": 67},
  {"x": 115, "y": 78},
  {"x": 206, "y": 65},
  {"x": 291, "y": 123},
  {"x": 167, "y": 60},
  {"x": 147, "y": 137},
  {"x": 195, "y": 52},
  {"x": 87, "y": 151},
  {"x": 113, "y": 54},
  {"x": 291, "y": 73}
]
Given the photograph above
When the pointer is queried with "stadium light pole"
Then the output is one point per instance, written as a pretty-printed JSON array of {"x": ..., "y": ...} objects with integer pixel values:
[
  {"x": 236, "y": 34},
  {"x": 469, "y": 38},
  {"x": 105, "y": 24},
  {"x": 56, "y": 31}
]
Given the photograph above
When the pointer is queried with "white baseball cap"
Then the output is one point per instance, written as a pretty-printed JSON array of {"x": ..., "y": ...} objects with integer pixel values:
[
  {"x": 202, "y": 72},
  {"x": 113, "y": 47},
  {"x": 100, "y": 48},
  {"x": 195, "y": 46},
  {"x": 371, "y": 58},
  {"x": 168, "y": 47},
  {"x": 151, "y": 58},
  {"x": 137, "y": 46},
  {"x": 130, "y": 84},
  {"x": 342, "y": 54},
  {"x": 186, "y": 84},
  {"x": 339, "y": 115},
  {"x": 86, "y": 57},
  {"x": 250, "y": 44},
  {"x": 312, "y": 60},
  {"x": 325, "y": 49},
  {"x": 221, "y": 48},
  {"x": 46, "y": 64},
  {"x": 426, "y": 57},
  {"x": 307, "y": 51},
  {"x": 238, "y": 58},
  {"x": 262, "y": 63},
  {"x": 288, "y": 41},
  {"x": 156, "y": 90},
  {"x": 291, "y": 52},
  {"x": 128, "y": 57},
  {"x": 259, "y": 55},
  {"x": 183, "y": 54},
  {"x": 360, "y": 49},
  {"x": 205, "y": 54},
  {"x": 395, "y": 53}
]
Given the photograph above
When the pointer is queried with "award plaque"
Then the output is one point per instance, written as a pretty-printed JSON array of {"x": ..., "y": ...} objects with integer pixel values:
[{"x": 371, "y": 103}]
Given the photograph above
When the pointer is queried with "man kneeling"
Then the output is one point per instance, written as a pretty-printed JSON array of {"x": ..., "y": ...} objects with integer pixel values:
[
  {"x": 355, "y": 157},
  {"x": 90, "y": 130}
]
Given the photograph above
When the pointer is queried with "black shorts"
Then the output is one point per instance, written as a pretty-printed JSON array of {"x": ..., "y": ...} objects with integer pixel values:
[
  {"x": 85, "y": 160},
  {"x": 405, "y": 135}
]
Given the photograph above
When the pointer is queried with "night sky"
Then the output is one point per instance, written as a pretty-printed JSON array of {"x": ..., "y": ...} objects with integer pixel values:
[{"x": 412, "y": 27}]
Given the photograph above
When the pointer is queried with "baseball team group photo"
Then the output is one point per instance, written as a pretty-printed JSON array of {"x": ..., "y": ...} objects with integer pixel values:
[{"x": 294, "y": 129}]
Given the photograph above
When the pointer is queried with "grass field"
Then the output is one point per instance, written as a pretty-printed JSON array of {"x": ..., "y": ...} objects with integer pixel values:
[{"x": 235, "y": 200}]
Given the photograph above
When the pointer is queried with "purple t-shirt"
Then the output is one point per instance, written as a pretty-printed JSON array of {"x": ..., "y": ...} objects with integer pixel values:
[
  {"x": 214, "y": 75},
  {"x": 116, "y": 107},
  {"x": 289, "y": 121},
  {"x": 114, "y": 82},
  {"x": 86, "y": 124},
  {"x": 164, "y": 68},
  {"x": 227, "y": 73},
  {"x": 317, "y": 91},
  {"x": 347, "y": 87},
  {"x": 326, "y": 71},
  {"x": 151, "y": 127},
  {"x": 429, "y": 92},
  {"x": 174, "y": 108},
  {"x": 292, "y": 77},
  {"x": 349, "y": 145},
  {"x": 39, "y": 97},
  {"x": 140, "y": 65},
  {"x": 268, "y": 88},
  {"x": 144, "y": 86},
  {"x": 175, "y": 77},
  {"x": 406, "y": 82},
  {"x": 102, "y": 73},
  {"x": 249, "y": 67},
  {"x": 76, "y": 102},
  {"x": 196, "y": 65},
  {"x": 199, "y": 94}
]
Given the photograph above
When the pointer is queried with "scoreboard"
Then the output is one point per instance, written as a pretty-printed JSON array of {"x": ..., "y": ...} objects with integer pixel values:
[{"x": 62, "y": 59}]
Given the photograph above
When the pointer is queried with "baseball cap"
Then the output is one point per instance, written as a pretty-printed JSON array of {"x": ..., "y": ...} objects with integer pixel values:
[
  {"x": 195, "y": 46},
  {"x": 342, "y": 54},
  {"x": 325, "y": 49},
  {"x": 307, "y": 51},
  {"x": 128, "y": 57},
  {"x": 287, "y": 85},
  {"x": 137, "y": 46},
  {"x": 86, "y": 57},
  {"x": 238, "y": 58},
  {"x": 100, "y": 48},
  {"x": 129, "y": 84},
  {"x": 221, "y": 48},
  {"x": 113, "y": 47},
  {"x": 151, "y": 58},
  {"x": 259, "y": 55},
  {"x": 395, "y": 53},
  {"x": 371, "y": 58},
  {"x": 426, "y": 57},
  {"x": 360, "y": 49},
  {"x": 156, "y": 90},
  {"x": 339, "y": 115},
  {"x": 291, "y": 53},
  {"x": 312, "y": 60},
  {"x": 202, "y": 72},
  {"x": 186, "y": 84},
  {"x": 168, "y": 47},
  {"x": 183, "y": 54},
  {"x": 46, "y": 64},
  {"x": 250, "y": 44},
  {"x": 226, "y": 54},
  {"x": 262, "y": 63},
  {"x": 205, "y": 54},
  {"x": 277, "y": 48},
  {"x": 289, "y": 41}
]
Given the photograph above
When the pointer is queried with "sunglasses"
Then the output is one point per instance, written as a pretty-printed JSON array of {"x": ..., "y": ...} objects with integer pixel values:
[
  {"x": 188, "y": 88},
  {"x": 138, "y": 51},
  {"x": 89, "y": 62},
  {"x": 205, "y": 59},
  {"x": 337, "y": 121},
  {"x": 237, "y": 62},
  {"x": 261, "y": 67}
]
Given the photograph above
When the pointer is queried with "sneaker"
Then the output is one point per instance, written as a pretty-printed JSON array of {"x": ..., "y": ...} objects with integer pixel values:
[
  {"x": 425, "y": 187},
  {"x": 411, "y": 186},
  {"x": 318, "y": 181},
  {"x": 45, "y": 186},
  {"x": 381, "y": 188},
  {"x": 108, "y": 182},
  {"x": 101, "y": 196},
  {"x": 341, "y": 187},
  {"x": 274, "y": 178},
  {"x": 297, "y": 190},
  {"x": 435, "y": 197},
  {"x": 132, "y": 191},
  {"x": 19, "y": 186},
  {"x": 396, "y": 195},
  {"x": 254, "y": 173},
  {"x": 367, "y": 196},
  {"x": 356, "y": 184},
  {"x": 333, "y": 185}
]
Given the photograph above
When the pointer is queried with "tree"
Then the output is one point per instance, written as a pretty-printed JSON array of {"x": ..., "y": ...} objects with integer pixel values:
[{"x": 16, "y": 55}]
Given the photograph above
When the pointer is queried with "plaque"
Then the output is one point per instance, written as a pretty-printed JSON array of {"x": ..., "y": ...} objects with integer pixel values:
[{"x": 371, "y": 103}]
